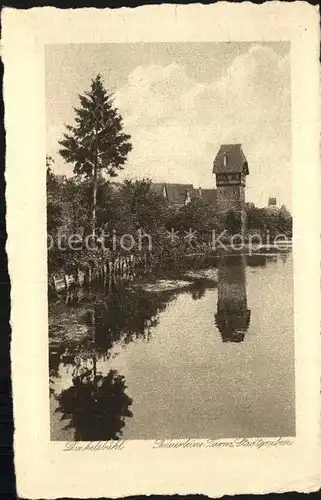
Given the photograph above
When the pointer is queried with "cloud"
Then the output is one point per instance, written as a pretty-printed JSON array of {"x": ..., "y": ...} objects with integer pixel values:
[
  {"x": 153, "y": 94},
  {"x": 178, "y": 123}
]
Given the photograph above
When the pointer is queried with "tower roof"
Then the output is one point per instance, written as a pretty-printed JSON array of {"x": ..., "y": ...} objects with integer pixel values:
[
  {"x": 233, "y": 325},
  {"x": 230, "y": 159}
]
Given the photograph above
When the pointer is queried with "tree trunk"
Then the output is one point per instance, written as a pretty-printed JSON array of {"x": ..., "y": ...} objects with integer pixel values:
[
  {"x": 94, "y": 365},
  {"x": 94, "y": 199},
  {"x": 95, "y": 179}
]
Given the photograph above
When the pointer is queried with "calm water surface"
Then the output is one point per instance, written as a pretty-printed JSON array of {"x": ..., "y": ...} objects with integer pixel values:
[{"x": 208, "y": 356}]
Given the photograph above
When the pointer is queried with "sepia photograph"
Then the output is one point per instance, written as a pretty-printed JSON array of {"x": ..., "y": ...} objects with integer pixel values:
[
  {"x": 163, "y": 219},
  {"x": 169, "y": 227}
]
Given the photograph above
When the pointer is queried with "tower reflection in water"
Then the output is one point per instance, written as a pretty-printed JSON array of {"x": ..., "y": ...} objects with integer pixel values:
[{"x": 233, "y": 316}]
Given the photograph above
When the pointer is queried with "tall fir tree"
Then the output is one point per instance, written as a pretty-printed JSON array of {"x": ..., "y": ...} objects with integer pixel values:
[{"x": 97, "y": 142}]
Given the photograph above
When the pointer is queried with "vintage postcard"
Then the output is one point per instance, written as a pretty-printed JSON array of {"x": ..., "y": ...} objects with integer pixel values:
[{"x": 163, "y": 191}]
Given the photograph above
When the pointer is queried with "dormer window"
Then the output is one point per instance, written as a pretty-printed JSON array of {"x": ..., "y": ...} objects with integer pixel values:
[{"x": 225, "y": 160}]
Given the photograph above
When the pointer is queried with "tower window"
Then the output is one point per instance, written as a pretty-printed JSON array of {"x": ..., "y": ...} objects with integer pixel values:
[{"x": 225, "y": 160}]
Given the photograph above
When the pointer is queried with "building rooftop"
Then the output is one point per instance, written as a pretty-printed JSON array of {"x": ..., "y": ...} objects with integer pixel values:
[
  {"x": 230, "y": 159},
  {"x": 158, "y": 187},
  {"x": 175, "y": 193}
]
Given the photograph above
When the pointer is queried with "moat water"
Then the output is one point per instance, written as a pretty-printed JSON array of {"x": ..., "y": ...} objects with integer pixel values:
[{"x": 207, "y": 353}]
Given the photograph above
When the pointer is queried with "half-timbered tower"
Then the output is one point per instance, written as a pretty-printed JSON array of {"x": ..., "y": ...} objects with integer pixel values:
[{"x": 231, "y": 168}]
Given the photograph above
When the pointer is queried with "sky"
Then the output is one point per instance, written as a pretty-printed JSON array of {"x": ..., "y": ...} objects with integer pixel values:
[{"x": 179, "y": 102}]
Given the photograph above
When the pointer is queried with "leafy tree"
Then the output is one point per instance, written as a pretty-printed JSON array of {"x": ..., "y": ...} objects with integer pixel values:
[
  {"x": 68, "y": 207},
  {"x": 265, "y": 220},
  {"x": 254, "y": 217},
  {"x": 50, "y": 174},
  {"x": 96, "y": 144},
  {"x": 96, "y": 406},
  {"x": 200, "y": 216},
  {"x": 131, "y": 207},
  {"x": 53, "y": 205},
  {"x": 113, "y": 211},
  {"x": 285, "y": 221},
  {"x": 147, "y": 207},
  {"x": 233, "y": 222}
]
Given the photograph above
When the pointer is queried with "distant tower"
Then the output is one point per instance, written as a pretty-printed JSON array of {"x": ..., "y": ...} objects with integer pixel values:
[
  {"x": 272, "y": 202},
  {"x": 231, "y": 168},
  {"x": 233, "y": 317}
]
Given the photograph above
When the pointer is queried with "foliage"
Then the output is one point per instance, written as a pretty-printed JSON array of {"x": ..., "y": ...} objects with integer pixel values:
[
  {"x": 147, "y": 208},
  {"x": 132, "y": 208},
  {"x": 232, "y": 222},
  {"x": 197, "y": 215},
  {"x": 96, "y": 406},
  {"x": 267, "y": 221},
  {"x": 96, "y": 144}
]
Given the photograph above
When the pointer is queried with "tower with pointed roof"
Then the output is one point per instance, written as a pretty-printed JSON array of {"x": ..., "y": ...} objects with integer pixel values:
[{"x": 231, "y": 168}]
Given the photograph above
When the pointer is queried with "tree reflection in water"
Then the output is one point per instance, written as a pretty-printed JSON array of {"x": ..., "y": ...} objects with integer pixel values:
[
  {"x": 198, "y": 289},
  {"x": 124, "y": 315},
  {"x": 95, "y": 405}
]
